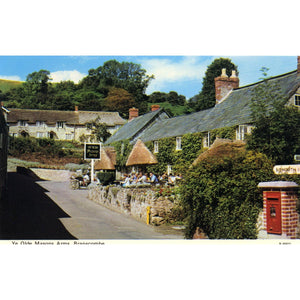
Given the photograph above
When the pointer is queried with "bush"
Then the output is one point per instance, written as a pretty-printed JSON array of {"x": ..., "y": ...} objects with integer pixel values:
[
  {"x": 106, "y": 178},
  {"x": 220, "y": 195}
]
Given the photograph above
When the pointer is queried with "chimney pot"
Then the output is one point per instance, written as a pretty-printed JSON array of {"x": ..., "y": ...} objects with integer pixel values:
[
  {"x": 155, "y": 107},
  {"x": 133, "y": 113},
  {"x": 223, "y": 85},
  {"x": 224, "y": 73},
  {"x": 233, "y": 74},
  {"x": 298, "y": 65},
  {"x": 76, "y": 108}
]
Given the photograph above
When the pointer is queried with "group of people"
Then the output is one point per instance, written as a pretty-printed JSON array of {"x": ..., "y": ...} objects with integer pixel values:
[{"x": 148, "y": 179}]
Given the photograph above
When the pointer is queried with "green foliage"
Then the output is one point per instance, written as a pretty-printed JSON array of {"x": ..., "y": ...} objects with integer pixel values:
[
  {"x": 277, "y": 127},
  {"x": 6, "y": 85},
  {"x": 49, "y": 147},
  {"x": 207, "y": 97},
  {"x": 98, "y": 130},
  {"x": 220, "y": 195},
  {"x": 223, "y": 133},
  {"x": 123, "y": 149},
  {"x": 106, "y": 178},
  {"x": 90, "y": 94}
]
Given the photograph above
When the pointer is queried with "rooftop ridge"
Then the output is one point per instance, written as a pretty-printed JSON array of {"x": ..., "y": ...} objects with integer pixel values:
[{"x": 267, "y": 79}]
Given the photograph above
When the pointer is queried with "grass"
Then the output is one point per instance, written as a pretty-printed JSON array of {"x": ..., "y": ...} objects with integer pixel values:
[
  {"x": 6, "y": 85},
  {"x": 176, "y": 110},
  {"x": 13, "y": 163}
]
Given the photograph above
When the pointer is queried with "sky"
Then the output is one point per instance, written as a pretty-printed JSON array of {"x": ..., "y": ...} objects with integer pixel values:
[{"x": 182, "y": 74}]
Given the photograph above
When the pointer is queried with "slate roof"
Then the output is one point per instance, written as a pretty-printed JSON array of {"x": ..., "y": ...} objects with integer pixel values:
[
  {"x": 234, "y": 110},
  {"x": 70, "y": 117},
  {"x": 133, "y": 128}
]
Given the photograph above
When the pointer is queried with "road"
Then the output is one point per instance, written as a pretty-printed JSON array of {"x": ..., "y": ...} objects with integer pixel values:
[{"x": 51, "y": 210}]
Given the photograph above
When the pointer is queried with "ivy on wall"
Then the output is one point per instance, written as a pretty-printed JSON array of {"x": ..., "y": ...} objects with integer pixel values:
[{"x": 180, "y": 160}]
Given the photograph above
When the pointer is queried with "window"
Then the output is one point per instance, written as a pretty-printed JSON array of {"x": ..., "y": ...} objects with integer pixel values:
[
  {"x": 297, "y": 100},
  {"x": 60, "y": 124},
  {"x": 22, "y": 123},
  {"x": 178, "y": 143},
  {"x": 169, "y": 169},
  {"x": 206, "y": 140},
  {"x": 155, "y": 146},
  {"x": 40, "y": 134},
  {"x": 69, "y": 136},
  {"x": 40, "y": 123},
  {"x": 241, "y": 132}
]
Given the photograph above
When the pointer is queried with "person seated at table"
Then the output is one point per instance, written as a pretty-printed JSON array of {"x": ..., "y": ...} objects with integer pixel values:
[
  {"x": 153, "y": 178},
  {"x": 171, "y": 179},
  {"x": 126, "y": 180},
  {"x": 142, "y": 179}
]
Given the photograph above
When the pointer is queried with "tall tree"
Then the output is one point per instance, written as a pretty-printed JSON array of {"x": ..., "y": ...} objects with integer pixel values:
[
  {"x": 99, "y": 131},
  {"x": 119, "y": 100},
  {"x": 125, "y": 75},
  {"x": 207, "y": 97}
]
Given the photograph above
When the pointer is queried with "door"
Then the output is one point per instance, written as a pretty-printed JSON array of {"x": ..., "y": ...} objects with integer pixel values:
[{"x": 274, "y": 212}]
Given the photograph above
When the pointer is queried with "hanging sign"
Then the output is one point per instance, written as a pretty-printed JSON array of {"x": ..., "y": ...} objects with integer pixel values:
[
  {"x": 287, "y": 169},
  {"x": 92, "y": 151}
]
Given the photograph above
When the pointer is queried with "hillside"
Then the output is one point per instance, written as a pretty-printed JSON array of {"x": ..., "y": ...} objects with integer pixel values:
[
  {"x": 176, "y": 110},
  {"x": 6, "y": 85}
]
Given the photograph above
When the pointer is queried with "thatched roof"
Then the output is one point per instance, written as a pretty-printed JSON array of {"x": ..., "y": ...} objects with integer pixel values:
[
  {"x": 108, "y": 159},
  {"x": 140, "y": 155},
  {"x": 221, "y": 148},
  {"x": 50, "y": 117}
]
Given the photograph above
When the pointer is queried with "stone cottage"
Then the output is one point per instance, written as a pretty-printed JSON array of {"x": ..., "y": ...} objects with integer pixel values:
[
  {"x": 232, "y": 109},
  {"x": 61, "y": 125}
]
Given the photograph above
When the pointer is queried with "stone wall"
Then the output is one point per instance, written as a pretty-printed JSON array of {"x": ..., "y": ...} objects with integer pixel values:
[{"x": 134, "y": 202}]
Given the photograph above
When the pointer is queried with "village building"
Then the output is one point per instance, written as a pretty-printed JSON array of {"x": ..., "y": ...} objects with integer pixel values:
[
  {"x": 3, "y": 150},
  {"x": 60, "y": 125},
  {"x": 232, "y": 109}
]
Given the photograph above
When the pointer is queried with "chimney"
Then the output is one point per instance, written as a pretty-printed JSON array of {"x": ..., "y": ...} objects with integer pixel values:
[
  {"x": 76, "y": 108},
  {"x": 298, "y": 65},
  {"x": 133, "y": 113},
  {"x": 155, "y": 107},
  {"x": 225, "y": 84}
]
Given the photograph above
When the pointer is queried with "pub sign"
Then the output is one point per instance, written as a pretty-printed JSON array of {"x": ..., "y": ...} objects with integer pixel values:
[{"x": 92, "y": 151}]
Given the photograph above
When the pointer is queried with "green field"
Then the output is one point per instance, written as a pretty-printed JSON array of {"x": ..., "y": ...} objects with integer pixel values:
[
  {"x": 176, "y": 110},
  {"x": 6, "y": 85}
]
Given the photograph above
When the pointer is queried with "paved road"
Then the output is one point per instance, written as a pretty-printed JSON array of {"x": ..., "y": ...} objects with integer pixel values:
[{"x": 51, "y": 210}]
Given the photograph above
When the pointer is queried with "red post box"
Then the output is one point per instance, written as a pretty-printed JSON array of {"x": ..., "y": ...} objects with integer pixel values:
[
  {"x": 280, "y": 210},
  {"x": 273, "y": 212}
]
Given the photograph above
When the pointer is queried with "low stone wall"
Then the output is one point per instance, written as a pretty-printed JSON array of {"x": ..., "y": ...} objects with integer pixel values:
[{"x": 134, "y": 202}]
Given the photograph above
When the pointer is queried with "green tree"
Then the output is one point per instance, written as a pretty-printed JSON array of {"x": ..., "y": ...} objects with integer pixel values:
[
  {"x": 119, "y": 100},
  {"x": 221, "y": 197},
  {"x": 126, "y": 75},
  {"x": 277, "y": 126},
  {"x": 99, "y": 130},
  {"x": 207, "y": 97}
]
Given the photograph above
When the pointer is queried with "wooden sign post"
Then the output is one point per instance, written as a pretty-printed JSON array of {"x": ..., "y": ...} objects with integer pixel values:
[{"x": 92, "y": 151}]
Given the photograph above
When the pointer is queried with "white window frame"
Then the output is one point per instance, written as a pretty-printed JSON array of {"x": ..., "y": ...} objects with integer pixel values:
[
  {"x": 60, "y": 124},
  {"x": 22, "y": 123},
  {"x": 169, "y": 169},
  {"x": 297, "y": 99},
  {"x": 178, "y": 143},
  {"x": 242, "y": 130},
  {"x": 40, "y": 135},
  {"x": 155, "y": 147},
  {"x": 69, "y": 136},
  {"x": 40, "y": 123},
  {"x": 206, "y": 140}
]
